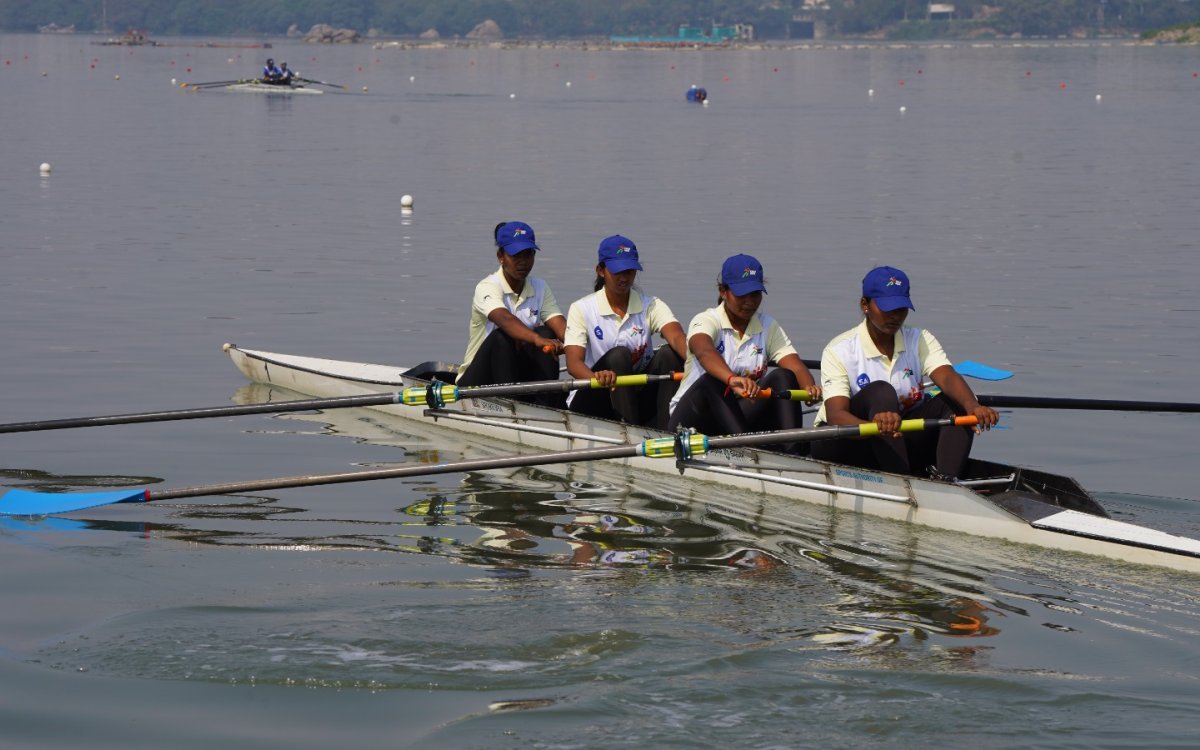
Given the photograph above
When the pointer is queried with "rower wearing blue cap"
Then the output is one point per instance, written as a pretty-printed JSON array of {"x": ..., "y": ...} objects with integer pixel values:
[
  {"x": 876, "y": 372},
  {"x": 611, "y": 332},
  {"x": 270, "y": 72},
  {"x": 516, "y": 328},
  {"x": 731, "y": 347}
]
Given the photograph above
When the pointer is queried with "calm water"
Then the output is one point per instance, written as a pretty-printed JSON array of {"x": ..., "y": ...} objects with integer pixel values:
[{"x": 1043, "y": 198}]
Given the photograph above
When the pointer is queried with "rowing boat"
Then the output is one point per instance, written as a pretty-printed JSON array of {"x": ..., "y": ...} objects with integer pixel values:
[
  {"x": 282, "y": 89},
  {"x": 993, "y": 500}
]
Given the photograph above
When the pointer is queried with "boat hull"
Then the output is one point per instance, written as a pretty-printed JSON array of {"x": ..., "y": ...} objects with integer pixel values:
[
  {"x": 277, "y": 90},
  {"x": 1030, "y": 508}
]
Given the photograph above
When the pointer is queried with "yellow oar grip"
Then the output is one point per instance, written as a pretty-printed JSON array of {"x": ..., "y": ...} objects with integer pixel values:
[
  {"x": 415, "y": 396},
  {"x": 870, "y": 429}
]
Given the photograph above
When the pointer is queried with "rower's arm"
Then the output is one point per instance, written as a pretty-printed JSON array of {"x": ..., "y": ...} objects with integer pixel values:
[
  {"x": 576, "y": 365},
  {"x": 701, "y": 344},
  {"x": 957, "y": 390},
  {"x": 672, "y": 333},
  {"x": 518, "y": 331}
]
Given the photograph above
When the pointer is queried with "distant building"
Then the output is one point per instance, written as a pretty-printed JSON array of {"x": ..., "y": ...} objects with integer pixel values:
[{"x": 940, "y": 12}]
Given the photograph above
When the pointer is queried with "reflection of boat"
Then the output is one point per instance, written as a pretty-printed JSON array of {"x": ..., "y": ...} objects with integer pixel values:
[
  {"x": 279, "y": 89},
  {"x": 994, "y": 500}
]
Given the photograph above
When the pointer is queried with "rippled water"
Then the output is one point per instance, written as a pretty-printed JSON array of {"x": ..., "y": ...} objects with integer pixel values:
[{"x": 1047, "y": 231}]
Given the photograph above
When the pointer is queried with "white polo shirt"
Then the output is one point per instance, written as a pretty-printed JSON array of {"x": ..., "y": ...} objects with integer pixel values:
[
  {"x": 851, "y": 361},
  {"x": 533, "y": 306},
  {"x": 747, "y": 355}
]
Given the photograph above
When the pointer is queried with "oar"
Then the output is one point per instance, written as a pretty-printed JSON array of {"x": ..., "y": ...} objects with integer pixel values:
[
  {"x": 320, "y": 83},
  {"x": 415, "y": 396},
  {"x": 16, "y": 502},
  {"x": 1037, "y": 402},
  {"x": 210, "y": 83},
  {"x": 967, "y": 369}
]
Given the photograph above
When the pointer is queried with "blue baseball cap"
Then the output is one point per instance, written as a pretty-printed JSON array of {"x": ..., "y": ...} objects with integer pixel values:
[
  {"x": 619, "y": 254},
  {"x": 889, "y": 288},
  {"x": 743, "y": 274},
  {"x": 515, "y": 237}
]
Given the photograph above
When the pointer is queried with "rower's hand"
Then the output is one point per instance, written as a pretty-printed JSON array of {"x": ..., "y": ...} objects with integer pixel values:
[
  {"x": 549, "y": 346},
  {"x": 606, "y": 378},
  {"x": 888, "y": 423},
  {"x": 814, "y": 394},
  {"x": 987, "y": 416},
  {"x": 743, "y": 386}
]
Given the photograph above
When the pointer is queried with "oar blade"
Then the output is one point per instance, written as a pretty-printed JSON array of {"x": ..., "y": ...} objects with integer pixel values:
[
  {"x": 981, "y": 371},
  {"x": 29, "y": 503}
]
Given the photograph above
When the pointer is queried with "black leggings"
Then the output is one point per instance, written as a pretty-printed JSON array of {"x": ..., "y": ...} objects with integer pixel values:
[
  {"x": 944, "y": 449},
  {"x": 645, "y": 405},
  {"x": 502, "y": 359},
  {"x": 712, "y": 409}
]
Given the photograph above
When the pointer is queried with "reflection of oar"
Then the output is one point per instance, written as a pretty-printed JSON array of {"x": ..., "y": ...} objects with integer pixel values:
[
  {"x": 1037, "y": 402},
  {"x": 320, "y": 83},
  {"x": 29, "y": 503},
  {"x": 415, "y": 396}
]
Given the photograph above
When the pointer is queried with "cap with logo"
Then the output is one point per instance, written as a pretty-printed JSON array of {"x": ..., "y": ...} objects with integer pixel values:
[
  {"x": 619, "y": 254},
  {"x": 515, "y": 237},
  {"x": 743, "y": 274},
  {"x": 889, "y": 288}
]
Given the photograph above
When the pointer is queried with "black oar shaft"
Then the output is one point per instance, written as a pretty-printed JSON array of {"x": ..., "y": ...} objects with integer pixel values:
[
  {"x": 1096, "y": 404},
  {"x": 312, "y": 404},
  {"x": 483, "y": 464},
  {"x": 373, "y": 399}
]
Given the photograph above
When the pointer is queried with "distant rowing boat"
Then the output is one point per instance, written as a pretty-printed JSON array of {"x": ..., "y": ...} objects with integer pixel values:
[
  {"x": 994, "y": 500},
  {"x": 279, "y": 89}
]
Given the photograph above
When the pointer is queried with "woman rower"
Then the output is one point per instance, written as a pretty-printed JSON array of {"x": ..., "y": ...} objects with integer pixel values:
[
  {"x": 610, "y": 332},
  {"x": 729, "y": 349},
  {"x": 516, "y": 327},
  {"x": 877, "y": 371}
]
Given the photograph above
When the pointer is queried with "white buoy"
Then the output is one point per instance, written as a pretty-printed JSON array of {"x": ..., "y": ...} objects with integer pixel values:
[
  {"x": 870, "y": 92},
  {"x": 44, "y": 74},
  {"x": 116, "y": 78},
  {"x": 45, "y": 168},
  {"x": 1098, "y": 97},
  {"x": 512, "y": 96},
  {"x": 568, "y": 84},
  {"x": 406, "y": 201},
  {"x": 364, "y": 89},
  {"x": 173, "y": 81},
  {"x": 411, "y": 79},
  {"x": 903, "y": 109},
  {"x": 704, "y": 103}
]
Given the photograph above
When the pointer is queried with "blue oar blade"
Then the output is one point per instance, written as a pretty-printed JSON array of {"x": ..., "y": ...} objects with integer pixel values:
[
  {"x": 27, "y": 503},
  {"x": 981, "y": 372}
]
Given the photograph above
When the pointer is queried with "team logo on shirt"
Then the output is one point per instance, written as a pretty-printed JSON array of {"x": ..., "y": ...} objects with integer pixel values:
[
  {"x": 863, "y": 380},
  {"x": 720, "y": 347},
  {"x": 598, "y": 332},
  {"x": 907, "y": 374},
  {"x": 755, "y": 349},
  {"x": 636, "y": 330}
]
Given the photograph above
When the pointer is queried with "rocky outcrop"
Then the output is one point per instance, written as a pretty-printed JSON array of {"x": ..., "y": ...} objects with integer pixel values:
[
  {"x": 323, "y": 33},
  {"x": 430, "y": 35},
  {"x": 488, "y": 30}
]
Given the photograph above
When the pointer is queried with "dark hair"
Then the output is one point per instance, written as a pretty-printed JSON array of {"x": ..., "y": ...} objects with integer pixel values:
[{"x": 496, "y": 231}]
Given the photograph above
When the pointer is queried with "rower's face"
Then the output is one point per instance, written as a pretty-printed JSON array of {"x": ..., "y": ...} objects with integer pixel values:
[
  {"x": 517, "y": 266},
  {"x": 620, "y": 282},
  {"x": 885, "y": 322},
  {"x": 742, "y": 307}
]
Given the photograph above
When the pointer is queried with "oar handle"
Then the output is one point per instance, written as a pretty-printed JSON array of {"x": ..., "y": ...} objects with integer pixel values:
[
  {"x": 870, "y": 429},
  {"x": 787, "y": 395}
]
